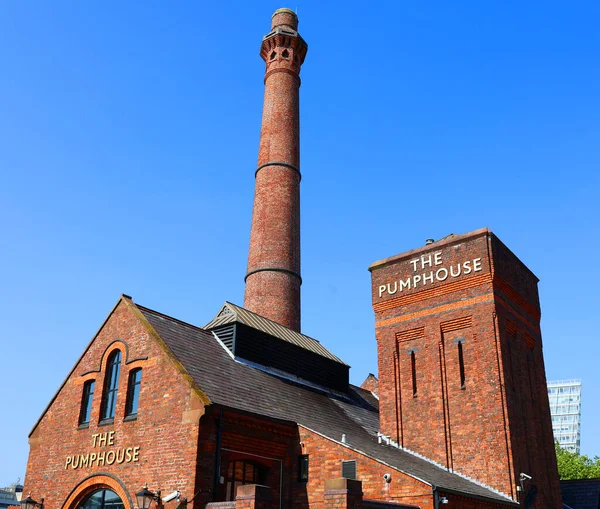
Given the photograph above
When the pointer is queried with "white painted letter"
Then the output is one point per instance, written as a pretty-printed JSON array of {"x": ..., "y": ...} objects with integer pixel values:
[
  {"x": 428, "y": 278},
  {"x": 439, "y": 271},
  {"x": 416, "y": 279},
  {"x": 414, "y": 262},
  {"x": 395, "y": 288},
  {"x": 381, "y": 289},
  {"x": 457, "y": 270},
  {"x": 476, "y": 264},
  {"x": 425, "y": 261},
  {"x": 405, "y": 284},
  {"x": 467, "y": 267},
  {"x": 438, "y": 258}
]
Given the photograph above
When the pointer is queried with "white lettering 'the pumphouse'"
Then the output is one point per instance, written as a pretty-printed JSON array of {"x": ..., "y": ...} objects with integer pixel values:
[{"x": 436, "y": 273}]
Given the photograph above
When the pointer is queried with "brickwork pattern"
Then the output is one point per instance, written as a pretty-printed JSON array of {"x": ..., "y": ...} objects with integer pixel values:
[
  {"x": 371, "y": 384},
  {"x": 273, "y": 277},
  {"x": 163, "y": 428},
  {"x": 495, "y": 423},
  {"x": 325, "y": 462}
]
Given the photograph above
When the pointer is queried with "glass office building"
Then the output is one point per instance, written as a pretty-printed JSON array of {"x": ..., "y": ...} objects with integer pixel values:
[{"x": 565, "y": 408}]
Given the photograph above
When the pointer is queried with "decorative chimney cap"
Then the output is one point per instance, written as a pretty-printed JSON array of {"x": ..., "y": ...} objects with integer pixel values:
[
  {"x": 284, "y": 17},
  {"x": 284, "y": 9}
]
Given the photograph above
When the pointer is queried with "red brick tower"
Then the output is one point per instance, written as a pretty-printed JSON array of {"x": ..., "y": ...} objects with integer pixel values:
[
  {"x": 273, "y": 278},
  {"x": 461, "y": 368}
]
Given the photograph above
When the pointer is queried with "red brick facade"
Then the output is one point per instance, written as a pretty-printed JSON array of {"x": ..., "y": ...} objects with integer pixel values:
[
  {"x": 273, "y": 278},
  {"x": 124, "y": 451},
  {"x": 461, "y": 373},
  {"x": 179, "y": 440},
  {"x": 326, "y": 458}
]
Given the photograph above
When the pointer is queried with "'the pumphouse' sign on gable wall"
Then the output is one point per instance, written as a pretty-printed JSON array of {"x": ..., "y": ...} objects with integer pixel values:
[{"x": 103, "y": 456}]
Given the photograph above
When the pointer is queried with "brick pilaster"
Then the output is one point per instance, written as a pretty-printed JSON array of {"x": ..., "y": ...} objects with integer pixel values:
[
  {"x": 342, "y": 494},
  {"x": 254, "y": 496}
]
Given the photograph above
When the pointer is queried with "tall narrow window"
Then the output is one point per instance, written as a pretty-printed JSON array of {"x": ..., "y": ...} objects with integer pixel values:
[
  {"x": 133, "y": 392},
  {"x": 461, "y": 364},
  {"x": 86, "y": 402},
  {"x": 303, "y": 468},
  {"x": 413, "y": 368},
  {"x": 111, "y": 386}
]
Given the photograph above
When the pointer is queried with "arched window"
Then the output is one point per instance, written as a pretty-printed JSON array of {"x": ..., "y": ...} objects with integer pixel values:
[
  {"x": 133, "y": 392},
  {"x": 111, "y": 386},
  {"x": 102, "y": 499},
  {"x": 86, "y": 402}
]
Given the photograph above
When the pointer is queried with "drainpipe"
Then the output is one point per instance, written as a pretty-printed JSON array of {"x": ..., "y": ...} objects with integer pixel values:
[
  {"x": 218, "y": 455},
  {"x": 436, "y": 498}
]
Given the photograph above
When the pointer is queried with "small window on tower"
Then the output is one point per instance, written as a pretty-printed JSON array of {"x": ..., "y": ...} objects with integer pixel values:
[
  {"x": 461, "y": 364},
  {"x": 349, "y": 469},
  {"x": 413, "y": 369},
  {"x": 303, "y": 468}
]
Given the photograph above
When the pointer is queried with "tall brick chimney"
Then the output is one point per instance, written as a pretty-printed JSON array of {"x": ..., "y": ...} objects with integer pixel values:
[{"x": 273, "y": 277}]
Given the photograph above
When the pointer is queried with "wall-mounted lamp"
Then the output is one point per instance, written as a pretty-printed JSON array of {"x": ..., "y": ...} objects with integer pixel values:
[
  {"x": 443, "y": 500},
  {"x": 29, "y": 503},
  {"x": 144, "y": 498}
]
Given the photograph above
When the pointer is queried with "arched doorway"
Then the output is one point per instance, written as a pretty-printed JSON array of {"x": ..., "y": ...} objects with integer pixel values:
[{"x": 103, "y": 498}]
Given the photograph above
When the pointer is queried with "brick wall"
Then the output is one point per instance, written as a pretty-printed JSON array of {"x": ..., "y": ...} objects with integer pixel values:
[
  {"x": 165, "y": 431},
  {"x": 488, "y": 418},
  {"x": 371, "y": 383},
  {"x": 325, "y": 462}
]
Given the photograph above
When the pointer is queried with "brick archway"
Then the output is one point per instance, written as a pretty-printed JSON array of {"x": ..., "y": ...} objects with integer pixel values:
[{"x": 96, "y": 482}]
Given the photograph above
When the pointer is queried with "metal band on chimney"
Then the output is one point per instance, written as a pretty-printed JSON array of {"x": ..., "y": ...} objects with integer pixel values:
[
  {"x": 274, "y": 269},
  {"x": 276, "y": 163}
]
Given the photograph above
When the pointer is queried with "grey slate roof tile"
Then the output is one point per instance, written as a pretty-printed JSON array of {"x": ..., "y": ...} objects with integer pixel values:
[{"x": 236, "y": 385}]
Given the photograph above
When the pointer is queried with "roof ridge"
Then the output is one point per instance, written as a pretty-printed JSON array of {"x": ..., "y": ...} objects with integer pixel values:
[
  {"x": 277, "y": 324},
  {"x": 140, "y": 307}
]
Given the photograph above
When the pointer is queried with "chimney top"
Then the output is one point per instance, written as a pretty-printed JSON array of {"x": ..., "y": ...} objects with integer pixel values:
[{"x": 284, "y": 17}]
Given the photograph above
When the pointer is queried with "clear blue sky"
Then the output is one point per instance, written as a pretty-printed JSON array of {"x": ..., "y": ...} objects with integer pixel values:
[{"x": 129, "y": 138}]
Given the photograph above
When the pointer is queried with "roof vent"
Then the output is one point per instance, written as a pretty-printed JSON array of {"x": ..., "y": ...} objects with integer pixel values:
[{"x": 429, "y": 241}]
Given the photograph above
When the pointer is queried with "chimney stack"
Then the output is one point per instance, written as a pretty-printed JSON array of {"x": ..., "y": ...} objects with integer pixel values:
[{"x": 273, "y": 276}]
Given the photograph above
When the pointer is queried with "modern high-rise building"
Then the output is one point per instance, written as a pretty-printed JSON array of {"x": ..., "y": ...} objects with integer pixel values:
[{"x": 565, "y": 408}]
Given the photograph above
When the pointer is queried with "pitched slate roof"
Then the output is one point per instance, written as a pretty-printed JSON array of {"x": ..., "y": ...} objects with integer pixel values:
[
  {"x": 581, "y": 493},
  {"x": 230, "y": 313},
  {"x": 233, "y": 384}
]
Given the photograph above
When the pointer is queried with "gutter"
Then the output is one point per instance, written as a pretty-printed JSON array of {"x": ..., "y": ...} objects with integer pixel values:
[
  {"x": 436, "y": 497},
  {"x": 218, "y": 455},
  {"x": 449, "y": 491}
]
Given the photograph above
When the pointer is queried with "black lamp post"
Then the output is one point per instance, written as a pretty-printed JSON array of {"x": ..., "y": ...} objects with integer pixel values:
[
  {"x": 29, "y": 503},
  {"x": 144, "y": 498}
]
